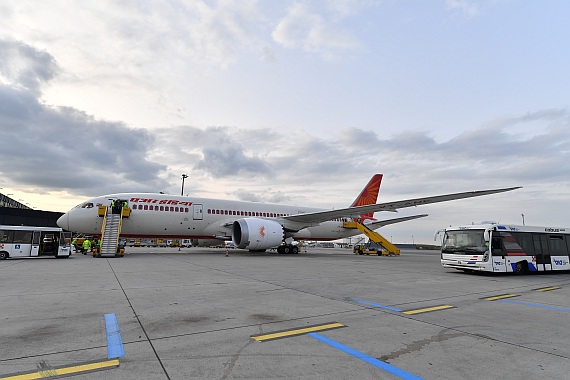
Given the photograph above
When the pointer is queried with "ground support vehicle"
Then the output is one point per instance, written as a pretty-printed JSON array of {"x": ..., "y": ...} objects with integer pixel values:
[
  {"x": 28, "y": 241},
  {"x": 372, "y": 248},
  {"x": 505, "y": 248}
]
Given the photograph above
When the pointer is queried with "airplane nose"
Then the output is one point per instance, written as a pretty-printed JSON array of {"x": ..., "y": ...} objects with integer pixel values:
[{"x": 63, "y": 221}]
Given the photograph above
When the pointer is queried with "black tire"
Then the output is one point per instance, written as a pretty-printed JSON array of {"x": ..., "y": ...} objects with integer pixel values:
[
  {"x": 3, "y": 255},
  {"x": 521, "y": 267},
  {"x": 286, "y": 249},
  {"x": 295, "y": 250},
  {"x": 360, "y": 252}
]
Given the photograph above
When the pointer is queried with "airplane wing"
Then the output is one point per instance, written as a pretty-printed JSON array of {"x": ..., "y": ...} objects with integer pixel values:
[
  {"x": 382, "y": 223},
  {"x": 299, "y": 221}
]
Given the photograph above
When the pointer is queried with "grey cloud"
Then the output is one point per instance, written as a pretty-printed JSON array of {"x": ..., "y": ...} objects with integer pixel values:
[
  {"x": 26, "y": 66},
  {"x": 60, "y": 148},
  {"x": 268, "y": 195},
  {"x": 413, "y": 162},
  {"x": 230, "y": 161}
]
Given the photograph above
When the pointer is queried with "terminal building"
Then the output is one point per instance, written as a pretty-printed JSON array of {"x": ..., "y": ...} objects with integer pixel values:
[{"x": 14, "y": 213}]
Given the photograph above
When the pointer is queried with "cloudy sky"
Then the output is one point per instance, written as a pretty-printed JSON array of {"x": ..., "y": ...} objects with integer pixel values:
[{"x": 296, "y": 102}]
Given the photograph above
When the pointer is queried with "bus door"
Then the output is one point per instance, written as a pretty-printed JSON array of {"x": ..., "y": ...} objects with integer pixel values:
[
  {"x": 542, "y": 253},
  {"x": 36, "y": 239},
  {"x": 498, "y": 254},
  {"x": 198, "y": 213}
]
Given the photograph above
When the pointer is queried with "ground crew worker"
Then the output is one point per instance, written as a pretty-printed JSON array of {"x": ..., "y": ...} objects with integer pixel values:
[
  {"x": 113, "y": 208},
  {"x": 74, "y": 244},
  {"x": 86, "y": 246}
]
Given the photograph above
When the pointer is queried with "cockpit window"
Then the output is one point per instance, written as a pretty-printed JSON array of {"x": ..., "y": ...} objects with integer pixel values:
[{"x": 86, "y": 205}]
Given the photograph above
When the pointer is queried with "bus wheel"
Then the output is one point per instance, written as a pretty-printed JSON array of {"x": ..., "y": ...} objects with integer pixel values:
[
  {"x": 3, "y": 255},
  {"x": 521, "y": 267}
]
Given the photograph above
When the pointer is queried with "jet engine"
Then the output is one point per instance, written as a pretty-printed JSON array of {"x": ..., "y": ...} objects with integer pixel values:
[{"x": 257, "y": 234}]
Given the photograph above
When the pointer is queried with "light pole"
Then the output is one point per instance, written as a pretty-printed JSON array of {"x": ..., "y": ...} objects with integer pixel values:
[{"x": 184, "y": 176}]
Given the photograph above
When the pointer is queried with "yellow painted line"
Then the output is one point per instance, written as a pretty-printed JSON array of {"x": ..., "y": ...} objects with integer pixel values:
[
  {"x": 295, "y": 332},
  {"x": 427, "y": 309},
  {"x": 547, "y": 289},
  {"x": 69, "y": 371},
  {"x": 502, "y": 296}
]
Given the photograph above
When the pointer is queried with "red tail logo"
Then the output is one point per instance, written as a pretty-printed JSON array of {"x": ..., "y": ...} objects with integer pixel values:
[{"x": 368, "y": 196}]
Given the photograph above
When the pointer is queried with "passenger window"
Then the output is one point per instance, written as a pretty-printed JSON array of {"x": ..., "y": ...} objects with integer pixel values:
[
  {"x": 23, "y": 237},
  {"x": 6, "y": 236}
]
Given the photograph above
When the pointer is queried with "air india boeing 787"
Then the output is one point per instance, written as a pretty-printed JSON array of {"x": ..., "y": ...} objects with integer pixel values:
[{"x": 250, "y": 225}]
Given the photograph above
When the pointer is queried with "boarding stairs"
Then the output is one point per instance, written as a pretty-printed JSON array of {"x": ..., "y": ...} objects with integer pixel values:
[
  {"x": 374, "y": 236},
  {"x": 111, "y": 231}
]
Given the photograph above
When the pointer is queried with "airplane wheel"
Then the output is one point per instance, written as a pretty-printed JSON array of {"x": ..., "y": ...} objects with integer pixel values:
[{"x": 295, "y": 249}]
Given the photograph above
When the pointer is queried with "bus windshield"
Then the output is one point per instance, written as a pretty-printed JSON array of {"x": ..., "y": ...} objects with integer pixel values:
[{"x": 464, "y": 242}]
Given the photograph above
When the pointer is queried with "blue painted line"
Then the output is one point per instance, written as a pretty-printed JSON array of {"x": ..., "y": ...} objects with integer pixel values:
[
  {"x": 375, "y": 305},
  {"x": 114, "y": 342},
  {"x": 537, "y": 305},
  {"x": 366, "y": 358}
]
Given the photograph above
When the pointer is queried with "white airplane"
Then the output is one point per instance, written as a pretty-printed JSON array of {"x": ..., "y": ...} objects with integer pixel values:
[{"x": 249, "y": 225}]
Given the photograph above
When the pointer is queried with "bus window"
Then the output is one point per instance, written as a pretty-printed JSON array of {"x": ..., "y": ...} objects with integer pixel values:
[
  {"x": 24, "y": 237},
  {"x": 6, "y": 237},
  {"x": 557, "y": 245},
  {"x": 524, "y": 239}
]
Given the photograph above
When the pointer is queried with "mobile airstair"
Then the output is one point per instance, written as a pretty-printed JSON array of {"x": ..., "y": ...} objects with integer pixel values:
[
  {"x": 111, "y": 231},
  {"x": 374, "y": 236}
]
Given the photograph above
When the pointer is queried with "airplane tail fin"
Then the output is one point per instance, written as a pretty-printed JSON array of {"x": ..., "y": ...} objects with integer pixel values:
[{"x": 368, "y": 196}]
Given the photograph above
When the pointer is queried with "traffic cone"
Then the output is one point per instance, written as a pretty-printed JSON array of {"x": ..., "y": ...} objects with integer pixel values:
[{"x": 227, "y": 253}]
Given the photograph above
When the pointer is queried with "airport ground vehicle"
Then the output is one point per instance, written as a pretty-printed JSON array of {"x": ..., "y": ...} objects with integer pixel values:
[
  {"x": 372, "y": 248},
  {"x": 27, "y": 241},
  {"x": 506, "y": 248}
]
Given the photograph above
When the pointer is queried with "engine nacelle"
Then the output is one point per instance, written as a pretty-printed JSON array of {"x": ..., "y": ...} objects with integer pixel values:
[{"x": 257, "y": 234}]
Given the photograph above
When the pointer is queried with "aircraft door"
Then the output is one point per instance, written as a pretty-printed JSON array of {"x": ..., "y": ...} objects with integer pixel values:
[
  {"x": 36, "y": 238},
  {"x": 198, "y": 213}
]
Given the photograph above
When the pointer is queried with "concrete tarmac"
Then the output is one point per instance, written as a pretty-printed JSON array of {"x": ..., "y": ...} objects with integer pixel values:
[{"x": 191, "y": 314}]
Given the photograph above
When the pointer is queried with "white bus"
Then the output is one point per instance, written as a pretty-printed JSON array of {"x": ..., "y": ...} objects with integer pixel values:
[
  {"x": 506, "y": 248},
  {"x": 26, "y": 241}
]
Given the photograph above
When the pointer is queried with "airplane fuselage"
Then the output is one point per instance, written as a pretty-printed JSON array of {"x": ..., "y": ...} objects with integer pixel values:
[{"x": 161, "y": 216}]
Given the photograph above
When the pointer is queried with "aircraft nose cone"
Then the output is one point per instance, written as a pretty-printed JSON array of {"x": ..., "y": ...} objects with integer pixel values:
[{"x": 63, "y": 221}]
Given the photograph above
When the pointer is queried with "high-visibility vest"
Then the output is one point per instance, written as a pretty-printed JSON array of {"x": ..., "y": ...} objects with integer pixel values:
[{"x": 86, "y": 244}]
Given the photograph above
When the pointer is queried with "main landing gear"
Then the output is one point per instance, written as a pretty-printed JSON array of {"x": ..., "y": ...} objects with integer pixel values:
[{"x": 288, "y": 248}]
